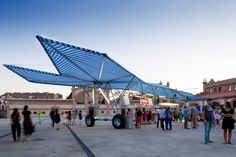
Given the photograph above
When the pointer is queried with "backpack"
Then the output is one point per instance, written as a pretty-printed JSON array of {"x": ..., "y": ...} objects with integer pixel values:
[{"x": 169, "y": 115}]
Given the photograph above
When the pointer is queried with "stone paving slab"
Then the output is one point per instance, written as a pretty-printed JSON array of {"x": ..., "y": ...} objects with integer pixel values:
[
  {"x": 46, "y": 142},
  {"x": 105, "y": 141}
]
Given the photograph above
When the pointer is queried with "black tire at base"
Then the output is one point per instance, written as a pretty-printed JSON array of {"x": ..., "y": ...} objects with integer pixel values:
[
  {"x": 118, "y": 121},
  {"x": 89, "y": 120}
]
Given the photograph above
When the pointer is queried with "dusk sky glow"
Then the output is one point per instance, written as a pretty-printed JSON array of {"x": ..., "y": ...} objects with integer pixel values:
[{"x": 180, "y": 41}]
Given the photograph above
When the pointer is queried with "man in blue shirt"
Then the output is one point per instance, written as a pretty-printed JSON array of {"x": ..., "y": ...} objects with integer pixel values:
[
  {"x": 168, "y": 118},
  {"x": 208, "y": 118},
  {"x": 186, "y": 116}
]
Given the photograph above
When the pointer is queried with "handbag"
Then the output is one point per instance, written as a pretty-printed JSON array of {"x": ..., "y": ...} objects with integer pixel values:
[{"x": 32, "y": 127}]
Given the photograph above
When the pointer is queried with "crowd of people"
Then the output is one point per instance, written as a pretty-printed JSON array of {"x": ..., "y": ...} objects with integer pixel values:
[
  {"x": 69, "y": 117},
  {"x": 163, "y": 116},
  {"x": 209, "y": 115},
  {"x": 28, "y": 124}
]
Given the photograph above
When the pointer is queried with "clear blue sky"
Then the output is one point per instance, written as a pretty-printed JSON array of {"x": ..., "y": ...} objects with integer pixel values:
[{"x": 181, "y": 41}]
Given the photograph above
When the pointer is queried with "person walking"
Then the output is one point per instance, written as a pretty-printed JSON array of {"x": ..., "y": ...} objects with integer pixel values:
[
  {"x": 80, "y": 116},
  {"x": 57, "y": 119},
  {"x": 69, "y": 116},
  {"x": 208, "y": 118},
  {"x": 228, "y": 122},
  {"x": 15, "y": 124},
  {"x": 186, "y": 117},
  {"x": 27, "y": 123}
]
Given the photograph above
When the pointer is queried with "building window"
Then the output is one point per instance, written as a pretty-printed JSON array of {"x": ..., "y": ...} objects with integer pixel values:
[{"x": 219, "y": 89}]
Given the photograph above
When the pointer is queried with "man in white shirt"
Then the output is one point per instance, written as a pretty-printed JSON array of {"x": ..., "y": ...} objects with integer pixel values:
[{"x": 161, "y": 112}]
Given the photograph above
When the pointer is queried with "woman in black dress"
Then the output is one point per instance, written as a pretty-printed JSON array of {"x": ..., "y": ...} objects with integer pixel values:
[
  {"x": 27, "y": 123},
  {"x": 228, "y": 122},
  {"x": 57, "y": 119},
  {"x": 80, "y": 116}
]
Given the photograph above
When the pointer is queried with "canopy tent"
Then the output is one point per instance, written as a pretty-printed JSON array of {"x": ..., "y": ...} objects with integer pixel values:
[
  {"x": 168, "y": 104},
  {"x": 80, "y": 67}
]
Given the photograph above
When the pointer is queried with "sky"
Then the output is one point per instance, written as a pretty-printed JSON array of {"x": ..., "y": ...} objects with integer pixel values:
[{"x": 180, "y": 41}]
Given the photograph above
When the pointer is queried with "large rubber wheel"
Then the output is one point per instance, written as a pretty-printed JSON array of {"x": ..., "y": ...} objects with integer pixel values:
[
  {"x": 118, "y": 121},
  {"x": 89, "y": 120}
]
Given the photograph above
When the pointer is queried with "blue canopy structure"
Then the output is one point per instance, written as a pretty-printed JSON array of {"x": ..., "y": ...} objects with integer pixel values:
[{"x": 80, "y": 67}]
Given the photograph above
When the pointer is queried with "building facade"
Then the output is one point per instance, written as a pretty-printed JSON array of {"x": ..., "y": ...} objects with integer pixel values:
[
  {"x": 219, "y": 91},
  {"x": 28, "y": 95},
  {"x": 36, "y": 102}
]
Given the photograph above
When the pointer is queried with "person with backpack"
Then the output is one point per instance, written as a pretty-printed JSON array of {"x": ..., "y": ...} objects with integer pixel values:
[{"x": 15, "y": 124}]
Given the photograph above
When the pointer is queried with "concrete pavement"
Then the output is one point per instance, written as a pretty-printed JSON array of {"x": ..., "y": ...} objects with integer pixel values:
[{"x": 105, "y": 141}]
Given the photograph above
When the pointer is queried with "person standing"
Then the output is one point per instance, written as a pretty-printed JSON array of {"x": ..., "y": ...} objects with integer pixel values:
[
  {"x": 145, "y": 116},
  {"x": 57, "y": 119},
  {"x": 228, "y": 122},
  {"x": 52, "y": 114},
  {"x": 217, "y": 116},
  {"x": 139, "y": 118},
  {"x": 162, "y": 117},
  {"x": 129, "y": 119},
  {"x": 194, "y": 117},
  {"x": 40, "y": 117},
  {"x": 168, "y": 118},
  {"x": 80, "y": 116},
  {"x": 208, "y": 117},
  {"x": 180, "y": 116},
  {"x": 15, "y": 124},
  {"x": 73, "y": 116},
  {"x": 158, "y": 116},
  {"x": 186, "y": 117},
  {"x": 27, "y": 123},
  {"x": 175, "y": 113},
  {"x": 154, "y": 115}
]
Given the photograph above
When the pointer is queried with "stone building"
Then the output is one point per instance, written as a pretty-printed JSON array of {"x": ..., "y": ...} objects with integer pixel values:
[
  {"x": 79, "y": 99},
  {"x": 219, "y": 91},
  {"x": 36, "y": 102}
]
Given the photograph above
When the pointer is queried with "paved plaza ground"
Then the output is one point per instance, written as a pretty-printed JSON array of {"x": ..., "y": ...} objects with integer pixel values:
[{"x": 105, "y": 141}]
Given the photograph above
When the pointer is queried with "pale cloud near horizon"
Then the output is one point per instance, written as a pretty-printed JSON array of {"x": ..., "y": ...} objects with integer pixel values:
[{"x": 182, "y": 42}]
